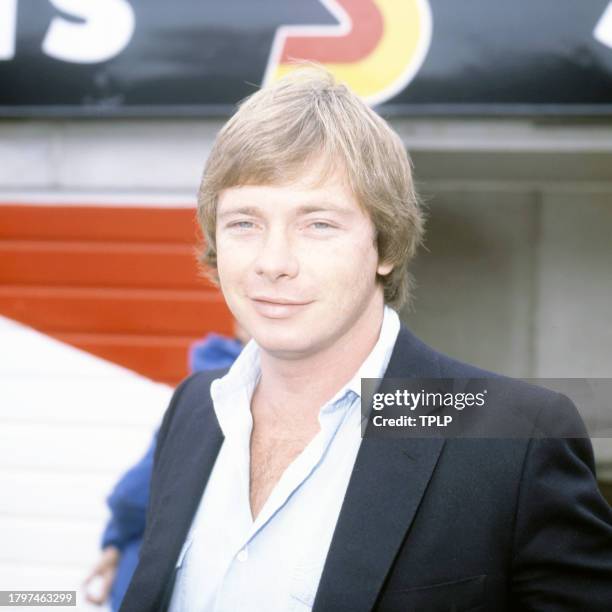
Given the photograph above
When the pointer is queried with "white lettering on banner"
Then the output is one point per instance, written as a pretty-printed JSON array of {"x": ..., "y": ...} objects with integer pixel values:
[
  {"x": 8, "y": 27},
  {"x": 107, "y": 29},
  {"x": 603, "y": 29}
]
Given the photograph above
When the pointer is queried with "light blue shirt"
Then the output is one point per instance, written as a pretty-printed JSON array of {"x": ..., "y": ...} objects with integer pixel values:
[{"x": 273, "y": 564}]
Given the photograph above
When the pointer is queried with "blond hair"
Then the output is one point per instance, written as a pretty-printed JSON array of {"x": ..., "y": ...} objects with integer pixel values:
[{"x": 279, "y": 129}]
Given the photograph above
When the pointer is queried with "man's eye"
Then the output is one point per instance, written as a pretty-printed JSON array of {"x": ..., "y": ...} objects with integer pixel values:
[
  {"x": 242, "y": 224},
  {"x": 321, "y": 225}
]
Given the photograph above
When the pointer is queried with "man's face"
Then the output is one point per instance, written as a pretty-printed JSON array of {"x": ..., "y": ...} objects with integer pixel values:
[{"x": 297, "y": 264}]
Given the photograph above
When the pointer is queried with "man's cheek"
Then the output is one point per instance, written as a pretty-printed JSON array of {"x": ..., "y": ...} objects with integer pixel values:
[{"x": 232, "y": 267}]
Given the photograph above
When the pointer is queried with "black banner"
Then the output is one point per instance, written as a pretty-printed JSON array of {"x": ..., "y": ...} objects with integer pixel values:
[{"x": 199, "y": 57}]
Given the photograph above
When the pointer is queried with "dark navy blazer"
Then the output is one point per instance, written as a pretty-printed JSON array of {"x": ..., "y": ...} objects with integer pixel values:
[{"x": 434, "y": 525}]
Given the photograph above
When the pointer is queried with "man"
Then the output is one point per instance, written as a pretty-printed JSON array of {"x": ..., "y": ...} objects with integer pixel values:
[{"x": 264, "y": 495}]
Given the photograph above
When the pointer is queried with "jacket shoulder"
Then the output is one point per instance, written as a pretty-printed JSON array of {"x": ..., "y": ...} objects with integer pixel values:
[
  {"x": 191, "y": 399},
  {"x": 545, "y": 412}
]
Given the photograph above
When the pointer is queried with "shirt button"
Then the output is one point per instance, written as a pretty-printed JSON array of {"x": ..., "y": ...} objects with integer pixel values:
[{"x": 243, "y": 555}]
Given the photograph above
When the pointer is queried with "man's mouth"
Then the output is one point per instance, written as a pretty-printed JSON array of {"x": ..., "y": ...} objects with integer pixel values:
[
  {"x": 277, "y": 308},
  {"x": 279, "y": 300}
]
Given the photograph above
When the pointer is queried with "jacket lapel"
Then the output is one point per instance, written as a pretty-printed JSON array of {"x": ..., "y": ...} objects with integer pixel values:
[{"x": 388, "y": 481}]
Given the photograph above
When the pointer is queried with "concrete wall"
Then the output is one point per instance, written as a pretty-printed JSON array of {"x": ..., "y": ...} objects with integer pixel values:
[
  {"x": 474, "y": 297},
  {"x": 519, "y": 282}
]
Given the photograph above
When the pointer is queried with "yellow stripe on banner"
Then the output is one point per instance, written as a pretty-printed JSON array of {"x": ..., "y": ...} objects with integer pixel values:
[{"x": 395, "y": 60}]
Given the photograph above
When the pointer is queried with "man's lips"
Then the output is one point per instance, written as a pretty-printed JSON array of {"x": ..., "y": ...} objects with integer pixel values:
[
  {"x": 277, "y": 309},
  {"x": 272, "y": 300}
]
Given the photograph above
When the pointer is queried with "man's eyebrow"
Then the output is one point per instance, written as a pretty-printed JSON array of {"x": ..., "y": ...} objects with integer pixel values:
[
  {"x": 323, "y": 207},
  {"x": 240, "y": 210},
  {"x": 304, "y": 209}
]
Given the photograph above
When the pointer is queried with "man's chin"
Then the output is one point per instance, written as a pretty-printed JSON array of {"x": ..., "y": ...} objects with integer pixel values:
[{"x": 286, "y": 346}]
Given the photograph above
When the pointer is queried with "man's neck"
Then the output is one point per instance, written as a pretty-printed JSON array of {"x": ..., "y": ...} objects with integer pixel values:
[{"x": 307, "y": 383}]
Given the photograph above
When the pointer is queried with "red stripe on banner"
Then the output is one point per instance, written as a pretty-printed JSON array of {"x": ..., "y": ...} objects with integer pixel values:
[{"x": 367, "y": 29}]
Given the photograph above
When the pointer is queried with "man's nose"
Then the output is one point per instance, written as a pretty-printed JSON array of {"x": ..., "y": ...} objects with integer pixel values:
[{"x": 276, "y": 257}]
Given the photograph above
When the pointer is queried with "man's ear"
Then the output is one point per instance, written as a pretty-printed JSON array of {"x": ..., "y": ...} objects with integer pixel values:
[{"x": 384, "y": 268}]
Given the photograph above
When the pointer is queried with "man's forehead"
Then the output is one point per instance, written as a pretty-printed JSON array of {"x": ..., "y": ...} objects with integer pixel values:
[
  {"x": 298, "y": 196},
  {"x": 315, "y": 172}
]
